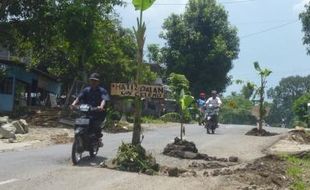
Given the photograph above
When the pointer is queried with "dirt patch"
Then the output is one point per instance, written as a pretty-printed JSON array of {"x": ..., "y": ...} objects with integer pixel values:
[
  {"x": 268, "y": 173},
  {"x": 39, "y": 137},
  {"x": 44, "y": 117},
  {"x": 299, "y": 136},
  {"x": 62, "y": 138},
  {"x": 257, "y": 132}
]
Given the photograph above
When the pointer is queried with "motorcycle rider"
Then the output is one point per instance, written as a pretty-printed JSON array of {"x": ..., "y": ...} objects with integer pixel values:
[
  {"x": 216, "y": 102},
  {"x": 95, "y": 96},
  {"x": 201, "y": 102}
]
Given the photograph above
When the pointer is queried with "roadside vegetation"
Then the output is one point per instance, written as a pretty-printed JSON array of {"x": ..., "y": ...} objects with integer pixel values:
[{"x": 299, "y": 170}]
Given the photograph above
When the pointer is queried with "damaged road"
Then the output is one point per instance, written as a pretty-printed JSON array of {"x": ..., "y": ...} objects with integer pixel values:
[{"x": 50, "y": 167}]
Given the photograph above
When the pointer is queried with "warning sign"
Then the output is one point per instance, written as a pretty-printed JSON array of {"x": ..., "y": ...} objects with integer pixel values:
[{"x": 133, "y": 90}]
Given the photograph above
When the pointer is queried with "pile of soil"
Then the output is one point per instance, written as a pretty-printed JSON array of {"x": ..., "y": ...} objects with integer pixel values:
[
  {"x": 257, "y": 132},
  {"x": 181, "y": 149},
  {"x": 268, "y": 172},
  {"x": 300, "y": 136},
  {"x": 187, "y": 150}
]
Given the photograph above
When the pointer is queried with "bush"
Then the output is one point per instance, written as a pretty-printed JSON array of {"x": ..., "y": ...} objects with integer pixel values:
[
  {"x": 300, "y": 108},
  {"x": 135, "y": 159},
  {"x": 237, "y": 110},
  {"x": 150, "y": 119},
  {"x": 171, "y": 117}
]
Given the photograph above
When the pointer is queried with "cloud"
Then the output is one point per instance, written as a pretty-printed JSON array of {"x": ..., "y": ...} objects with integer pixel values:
[{"x": 300, "y": 6}]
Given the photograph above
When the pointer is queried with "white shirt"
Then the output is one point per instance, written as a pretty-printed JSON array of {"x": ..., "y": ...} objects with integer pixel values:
[{"x": 214, "y": 101}]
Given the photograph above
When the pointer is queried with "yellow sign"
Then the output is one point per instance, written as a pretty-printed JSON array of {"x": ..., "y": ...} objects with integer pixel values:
[{"x": 133, "y": 90}]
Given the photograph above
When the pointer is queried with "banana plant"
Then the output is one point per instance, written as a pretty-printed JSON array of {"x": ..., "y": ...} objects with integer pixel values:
[
  {"x": 140, "y": 5},
  {"x": 259, "y": 91},
  {"x": 264, "y": 73},
  {"x": 185, "y": 101}
]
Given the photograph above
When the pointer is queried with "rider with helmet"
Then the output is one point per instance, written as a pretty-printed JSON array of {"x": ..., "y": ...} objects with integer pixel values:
[
  {"x": 216, "y": 102},
  {"x": 201, "y": 102}
]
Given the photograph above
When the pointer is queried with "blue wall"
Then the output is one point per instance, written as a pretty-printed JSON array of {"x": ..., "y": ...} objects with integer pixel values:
[
  {"x": 19, "y": 73},
  {"x": 6, "y": 102}
]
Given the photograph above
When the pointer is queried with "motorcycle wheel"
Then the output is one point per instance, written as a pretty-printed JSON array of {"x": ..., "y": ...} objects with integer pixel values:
[
  {"x": 207, "y": 128},
  {"x": 93, "y": 151},
  {"x": 76, "y": 154}
]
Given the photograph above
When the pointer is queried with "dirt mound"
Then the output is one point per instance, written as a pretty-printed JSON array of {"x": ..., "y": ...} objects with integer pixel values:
[
  {"x": 181, "y": 149},
  {"x": 257, "y": 132},
  {"x": 300, "y": 136},
  {"x": 187, "y": 150},
  {"x": 268, "y": 172}
]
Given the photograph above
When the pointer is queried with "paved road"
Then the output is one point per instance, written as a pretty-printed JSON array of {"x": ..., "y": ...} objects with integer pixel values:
[{"x": 50, "y": 167}]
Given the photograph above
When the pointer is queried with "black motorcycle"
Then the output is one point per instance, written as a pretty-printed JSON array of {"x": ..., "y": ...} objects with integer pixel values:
[
  {"x": 210, "y": 118},
  {"x": 84, "y": 137}
]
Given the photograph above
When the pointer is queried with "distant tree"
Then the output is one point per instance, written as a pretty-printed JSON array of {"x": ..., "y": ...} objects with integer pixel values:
[
  {"x": 201, "y": 44},
  {"x": 248, "y": 90},
  {"x": 305, "y": 19},
  {"x": 155, "y": 56},
  {"x": 154, "y": 53},
  {"x": 300, "y": 108},
  {"x": 177, "y": 84},
  {"x": 283, "y": 97},
  {"x": 236, "y": 109},
  {"x": 68, "y": 37}
]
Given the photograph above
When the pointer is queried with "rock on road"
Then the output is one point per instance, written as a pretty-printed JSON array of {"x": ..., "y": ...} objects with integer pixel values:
[{"x": 50, "y": 167}]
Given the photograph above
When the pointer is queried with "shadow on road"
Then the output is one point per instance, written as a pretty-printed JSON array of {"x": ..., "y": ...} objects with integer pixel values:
[{"x": 91, "y": 162}]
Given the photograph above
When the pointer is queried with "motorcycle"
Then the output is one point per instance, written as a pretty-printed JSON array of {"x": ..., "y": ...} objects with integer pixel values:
[
  {"x": 210, "y": 118},
  {"x": 84, "y": 138}
]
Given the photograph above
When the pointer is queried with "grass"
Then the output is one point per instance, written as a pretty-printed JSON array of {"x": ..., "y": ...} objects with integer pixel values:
[
  {"x": 152, "y": 120},
  {"x": 299, "y": 171}
]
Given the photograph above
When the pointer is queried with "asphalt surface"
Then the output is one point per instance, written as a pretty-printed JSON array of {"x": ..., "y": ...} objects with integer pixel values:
[{"x": 50, "y": 167}]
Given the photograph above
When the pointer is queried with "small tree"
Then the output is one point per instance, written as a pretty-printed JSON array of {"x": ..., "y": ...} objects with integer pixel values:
[
  {"x": 185, "y": 102},
  {"x": 263, "y": 73},
  {"x": 179, "y": 86},
  {"x": 141, "y": 5}
]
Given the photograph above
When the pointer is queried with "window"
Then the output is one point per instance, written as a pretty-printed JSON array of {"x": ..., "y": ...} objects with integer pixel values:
[{"x": 6, "y": 86}]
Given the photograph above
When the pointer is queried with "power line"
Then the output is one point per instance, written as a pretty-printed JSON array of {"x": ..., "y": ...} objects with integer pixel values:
[
  {"x": 263, "y": 22},
  {"x": 269, "y": 29}
]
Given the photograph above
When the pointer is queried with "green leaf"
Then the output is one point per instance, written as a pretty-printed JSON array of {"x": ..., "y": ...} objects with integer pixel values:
[
  {"x": 142, "y": 4},
  {"x": 186, "y": 101},
  {"x": 257, "y": 67},
  {"x": 238, "y": 81},
  {"x": 266, "y": 72}
]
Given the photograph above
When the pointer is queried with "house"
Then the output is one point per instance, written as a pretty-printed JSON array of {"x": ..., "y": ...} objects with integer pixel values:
[{"x": 22, "y": 87}]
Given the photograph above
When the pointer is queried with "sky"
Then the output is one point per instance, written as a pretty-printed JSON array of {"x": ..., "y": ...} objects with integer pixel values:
[{"x": 270, "y": 32}]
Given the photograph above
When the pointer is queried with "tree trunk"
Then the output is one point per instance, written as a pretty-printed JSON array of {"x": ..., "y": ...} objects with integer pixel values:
[
  {"x": 261, "y": 105},
  {"x": 137, "y": 121},
  {"x": 181, "y": 132}
]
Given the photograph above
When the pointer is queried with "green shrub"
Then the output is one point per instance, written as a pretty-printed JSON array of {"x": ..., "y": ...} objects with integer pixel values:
[
  {"x": 300, "y": 108},
  {"x": 150, "y": 119},
  {"x": 135, "y": 159},
  {"x": 171, "y": 117},
  {"x": 237, "y": 110}
]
